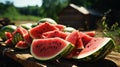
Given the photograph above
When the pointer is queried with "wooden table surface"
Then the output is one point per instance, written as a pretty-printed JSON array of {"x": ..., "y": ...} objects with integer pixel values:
[{"x": 26, "y": 59}]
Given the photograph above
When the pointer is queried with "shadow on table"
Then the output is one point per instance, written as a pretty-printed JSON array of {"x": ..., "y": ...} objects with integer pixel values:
[{"x": 74, "y": 63}]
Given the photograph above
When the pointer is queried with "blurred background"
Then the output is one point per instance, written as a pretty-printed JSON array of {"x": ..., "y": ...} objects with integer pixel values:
[
  {"x": 34, "y": 10},
  {"x": 86, "y": 15}
]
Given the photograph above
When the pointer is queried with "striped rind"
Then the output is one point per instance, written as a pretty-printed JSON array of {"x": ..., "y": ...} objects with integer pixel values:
[
  {"x": 67, "y": 49},
  {"x": 99, "y": 54}
]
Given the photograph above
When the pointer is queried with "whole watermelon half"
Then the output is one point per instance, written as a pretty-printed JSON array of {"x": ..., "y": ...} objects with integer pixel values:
[{"x": 50, "y": 48}]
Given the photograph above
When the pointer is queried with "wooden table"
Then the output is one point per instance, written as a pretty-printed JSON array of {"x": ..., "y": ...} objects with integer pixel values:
[{"x": 26, "y": 59}]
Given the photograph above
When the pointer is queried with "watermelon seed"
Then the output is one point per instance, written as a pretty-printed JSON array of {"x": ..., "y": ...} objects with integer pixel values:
[{"x": 47, "y": 48}]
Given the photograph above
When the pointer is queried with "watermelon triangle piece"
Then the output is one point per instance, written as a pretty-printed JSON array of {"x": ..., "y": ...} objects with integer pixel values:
[
  {"x": 96, "y": 49},
  {"x": 85, "y": 38},
  {"x": 24, "y": 33},
  {"x": 90, "y": 33},
  {"x": 50, "y": 48},
  {"x": 36, "y": 32},
  {"x": 8, "y": 35},
  {"x": 55, "y": 33},
  {"x": 60, "y": 27},
  {"x": 79, "y": 44},
  {"x": 21, "y": 45},
  {"x": 72, "y": 37},
  {"x": 8, "y": 42}
]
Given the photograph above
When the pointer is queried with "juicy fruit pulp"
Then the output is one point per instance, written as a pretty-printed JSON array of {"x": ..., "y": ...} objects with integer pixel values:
[
  {"x": 36, "y": 32},
  {"x": 7, "y": 28},
  {"x": 46, "y": 49},
  {"x": 53, "y": 41},
  {"x": 95, "y": 49}
]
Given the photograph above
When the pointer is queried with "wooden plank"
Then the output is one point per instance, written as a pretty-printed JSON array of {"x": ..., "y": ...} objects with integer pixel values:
[{"x": 26, "y": 59}]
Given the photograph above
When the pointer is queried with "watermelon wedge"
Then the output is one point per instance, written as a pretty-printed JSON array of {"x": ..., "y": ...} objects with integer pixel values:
[
  {"x": 36, "y": 32},
  {"x": 21, "y": 45},
  {"x": 55, "y": 33},
  {"x": 96, "y": 49},
  {"x": 50, "y": 48}
]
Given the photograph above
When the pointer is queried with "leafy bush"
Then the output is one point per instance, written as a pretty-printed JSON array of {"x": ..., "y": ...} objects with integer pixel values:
[{"x": 112, "y": 32}]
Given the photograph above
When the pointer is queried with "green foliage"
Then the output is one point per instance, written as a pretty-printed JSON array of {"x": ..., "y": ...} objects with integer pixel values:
[
  {"x": 112, "y": 32},
  {"x": 8, "y": 10},
  {"x": 52, "y": 8}
]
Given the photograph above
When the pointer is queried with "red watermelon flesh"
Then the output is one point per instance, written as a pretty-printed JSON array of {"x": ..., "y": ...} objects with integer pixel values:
[
  {"x": 45, "y": 49},
  {"x": 21, "y": 45},
  {"x": 37, "y": 31},
  {"x": 8, "y": 35},
  {"x": 94, "y": 45},
  {"x": 8, "y": 42},
  {"x": 60, "y": 27},
  {"x": 80, "y": 44},
  {"x": 90, "y": 33},
  {"x": 85, "y": 38},
  {"x": 72, "y": 37},
  {"x": 25, "y": 34},
  {"x": 55, "y": 33}
]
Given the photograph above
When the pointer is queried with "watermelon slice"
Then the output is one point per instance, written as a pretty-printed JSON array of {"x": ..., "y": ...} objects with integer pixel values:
[
  {"x": 8, "y": 35},
  {"x": 50, "y": 48},
  {"x": 72, "y": 37},
  {"x": 96, "y": 49},
  {"x": 85, "y": 38},
  {"x": 21, "y": 34},
  {"x": 8, "y": 42},
  {"x": 36, "y": 32},
  {"x": 21, "y": 45},
  {"x": 60, "y": 27},
  {"x": 55, "y": 33},
  {"x": 90, "y": 33},
  {"x": 76, "y": 41}
]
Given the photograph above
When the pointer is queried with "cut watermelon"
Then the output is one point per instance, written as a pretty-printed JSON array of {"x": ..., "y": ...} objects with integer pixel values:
[
  {"x": 50, "y": 48},
  {"x": 85, "y": 38},
  {"x": 96, "y": 49},
  {"x": 55, "y": 33},
  {"x": 21, "y": 45},
  {"x": 21, "y": 34},
  {"x": 36, "y": 32},
  {"x": 76, "y": 41},
  {"x": 79, "y": 44},
  {"x": 60, "y": 27},
  {"x": 8, "y": 35},
  {"x": 72, "y": 37},
  {"x": 90, "y": 33},
  {"x": 8, "y": 42}
]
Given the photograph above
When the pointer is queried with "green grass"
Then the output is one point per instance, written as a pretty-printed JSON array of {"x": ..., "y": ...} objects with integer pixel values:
[{"x": 21, "y": 17}]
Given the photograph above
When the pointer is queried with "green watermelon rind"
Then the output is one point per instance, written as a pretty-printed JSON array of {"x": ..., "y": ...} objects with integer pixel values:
[
  {"x": 99, "y": 54},
  {"x": 69, "y": 47},
  {"x": 7, "y": 28},
  {"x": 69, "y": 29},
  {"x": 18, "y": 47},
  {"x": 26, "y": 26},
  {"x": 47, "y": 20},
  {"x": 103, "y": 54},
  {"x": 16, "y": 38}
]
